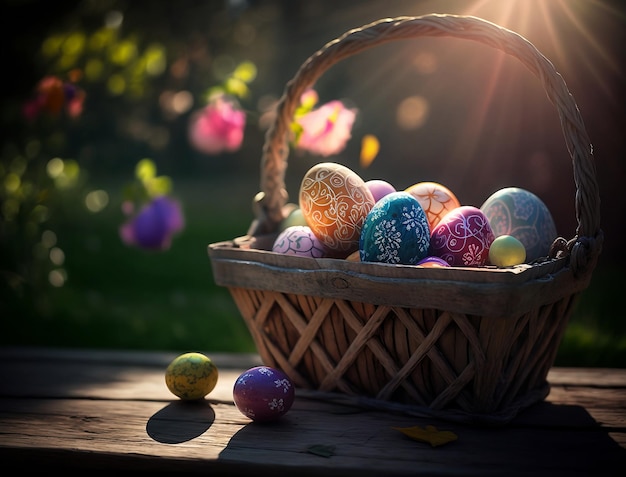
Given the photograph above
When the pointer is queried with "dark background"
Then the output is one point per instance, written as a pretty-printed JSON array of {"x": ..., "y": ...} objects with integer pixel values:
[{"x": 490, "y": 124}]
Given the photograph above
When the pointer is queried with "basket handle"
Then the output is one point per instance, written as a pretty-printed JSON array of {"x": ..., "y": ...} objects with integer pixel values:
[{"x": 269, "y": 203}]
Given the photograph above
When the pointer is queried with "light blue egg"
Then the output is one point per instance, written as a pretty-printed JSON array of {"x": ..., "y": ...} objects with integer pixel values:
[
  {"x": 520, "y": 213},
  {"x": 395, "y": 231}
]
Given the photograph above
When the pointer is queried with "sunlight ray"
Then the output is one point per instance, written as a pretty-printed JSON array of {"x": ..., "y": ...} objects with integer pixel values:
[
  {"x": 476, "y": 124},
  {"x": 589, "y": 37},
  {"x": 552, "y": 30}
]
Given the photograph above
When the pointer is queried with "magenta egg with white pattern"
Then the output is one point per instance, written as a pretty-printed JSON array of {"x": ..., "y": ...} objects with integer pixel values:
[
  {"x": 463, "y": 237},
  {"x": 263, "y": 393}
]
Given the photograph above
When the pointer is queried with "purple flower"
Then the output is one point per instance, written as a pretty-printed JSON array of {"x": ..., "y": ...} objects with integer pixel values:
[{"x": 154, "y": 225}]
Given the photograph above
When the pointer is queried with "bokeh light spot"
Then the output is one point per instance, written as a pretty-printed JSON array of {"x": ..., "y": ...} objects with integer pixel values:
[
  {"x": 101, "y": 39},
  {"x": 93, "y": 69},
  {"x": 57, "y": 256},
  {"x": 412, "y": 112},
  {"x": 96, "y": 200},
  {"x": 426, "y": 63},
  {"x": 48, "y": 238},
  {"x": 114, "y": 19},
  {"x": 55, "y": 167},
  {"x": 116, "y": 84},
  {"x": 74, "y": 44},
  {"x": 155, "y": 60},
  {"x": 12, "y": 182},
  {"x": 51, "y": 46},
  {"x": 57, "y": 278},
  {"x": 145, "y": 170},
  {"x": 123, "y": 52},
  {"x": 246, "y": 72},
  {"x": 176, "y": 103},
  {"x": 182, "y": 102}
]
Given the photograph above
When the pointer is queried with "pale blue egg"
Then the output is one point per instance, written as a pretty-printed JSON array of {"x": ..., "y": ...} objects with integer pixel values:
[
  {"x": 522, "y": 214},
  {"x": 395, "y": 231}
]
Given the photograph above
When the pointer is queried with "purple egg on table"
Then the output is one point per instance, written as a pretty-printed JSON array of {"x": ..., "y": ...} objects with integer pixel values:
[{"x": 263, "y": 393}]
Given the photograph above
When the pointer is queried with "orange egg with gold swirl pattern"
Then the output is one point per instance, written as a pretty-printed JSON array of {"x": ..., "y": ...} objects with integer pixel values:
[
  {"x": 335, "y": 201},
  {"x": 436, "y": 200}
]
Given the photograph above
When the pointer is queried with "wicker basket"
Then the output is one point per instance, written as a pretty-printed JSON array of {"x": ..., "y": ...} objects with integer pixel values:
[{"x": 471, "y": 342}]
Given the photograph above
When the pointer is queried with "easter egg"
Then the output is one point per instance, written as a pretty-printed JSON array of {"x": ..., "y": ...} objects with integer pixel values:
[
  {"x": 462, "y": 237},
  {"x": 299, "y": 240},
  {"x": 436, "y": 200},
  {"x": 395, "y": 231},
  {"x": 335, "y": 201},
  {"x": 433, "y": 262},
  {"x": 295, "y": 217},
  {"x": 191, "y": 376},
  {"x": 263, "y": 393},
  {"x": 520, "y": 213},
  {"x": 379, "y": 188},
  {"x": 506, "y": 251}
]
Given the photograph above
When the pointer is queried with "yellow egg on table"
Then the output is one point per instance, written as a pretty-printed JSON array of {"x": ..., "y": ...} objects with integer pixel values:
[
  {"x": 506, "y": 251},
  {"x": 191, "y": 376}
]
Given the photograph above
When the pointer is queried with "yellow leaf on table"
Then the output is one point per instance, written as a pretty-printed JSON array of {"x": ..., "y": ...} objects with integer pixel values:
[{"x": 429, "y": 434}]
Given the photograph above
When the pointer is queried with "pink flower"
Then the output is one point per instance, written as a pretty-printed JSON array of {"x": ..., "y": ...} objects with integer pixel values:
[
  {"x": 154, "y": 225},
  {"x": 218, "y": 127},
  {"x": 327, "y": 129}
]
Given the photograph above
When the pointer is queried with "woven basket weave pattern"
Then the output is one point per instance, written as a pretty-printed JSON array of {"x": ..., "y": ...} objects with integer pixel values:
[{"x": 477, "y": 341}]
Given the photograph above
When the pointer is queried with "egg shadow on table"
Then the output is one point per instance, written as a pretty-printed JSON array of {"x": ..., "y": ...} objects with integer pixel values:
[
  {"x": 181, "y": 421},
  {"x": 280, "y": 432}
]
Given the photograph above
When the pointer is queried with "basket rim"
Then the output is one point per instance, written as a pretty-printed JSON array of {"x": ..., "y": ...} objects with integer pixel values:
[
  {"x": 245, "y": 248},
  {"x": 480, "y": 291}
]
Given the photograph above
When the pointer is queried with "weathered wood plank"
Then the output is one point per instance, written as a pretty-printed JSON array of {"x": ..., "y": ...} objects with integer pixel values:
[
  {"x": 82, "y": 409},
  {"x": 210, "y": 432}
]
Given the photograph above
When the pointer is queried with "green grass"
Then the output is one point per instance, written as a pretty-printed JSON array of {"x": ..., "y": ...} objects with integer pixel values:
[{"x": 125, "y": 298}]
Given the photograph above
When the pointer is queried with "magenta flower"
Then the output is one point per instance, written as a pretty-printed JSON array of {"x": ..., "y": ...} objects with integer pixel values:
[
  {"x": 327, "y": 129},
  {"x": 154, "y": 225},
  {"x": 218, "y": 127}
]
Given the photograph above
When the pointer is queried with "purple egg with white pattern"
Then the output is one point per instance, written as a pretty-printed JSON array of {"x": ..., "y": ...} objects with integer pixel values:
[
  {"x": 299, "y": 240},
  {"x": 263, "y": 393}
]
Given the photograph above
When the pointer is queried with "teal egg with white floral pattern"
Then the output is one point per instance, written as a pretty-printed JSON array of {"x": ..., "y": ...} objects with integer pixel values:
[{"x": 395, "y": 231}]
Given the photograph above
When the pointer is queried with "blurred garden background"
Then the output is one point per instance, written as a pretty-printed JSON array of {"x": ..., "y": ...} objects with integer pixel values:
[{"x": 99, "y": 96}]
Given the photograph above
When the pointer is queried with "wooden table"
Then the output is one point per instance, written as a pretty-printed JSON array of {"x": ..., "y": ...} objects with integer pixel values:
[{"x": 111, "y": 410}]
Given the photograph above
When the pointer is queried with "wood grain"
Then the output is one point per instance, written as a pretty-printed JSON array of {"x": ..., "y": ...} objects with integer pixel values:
[{"x": 77, "y": 409}]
